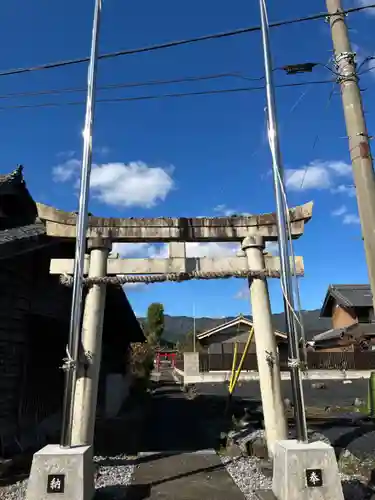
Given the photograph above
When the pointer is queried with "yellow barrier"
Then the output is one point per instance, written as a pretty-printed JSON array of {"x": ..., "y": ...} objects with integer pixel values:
[
  {"x": 234, "y": 363},
  {"x": 234, "y": 377}
]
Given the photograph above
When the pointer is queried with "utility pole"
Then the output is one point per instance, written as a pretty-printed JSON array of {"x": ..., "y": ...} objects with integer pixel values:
[{"x": 359, "y": 142}]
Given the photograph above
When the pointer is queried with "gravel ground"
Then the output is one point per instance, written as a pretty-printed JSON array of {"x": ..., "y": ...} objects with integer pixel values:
[
  {"x": 246, "y": 474},
  {"x": 113, "y": 475}
]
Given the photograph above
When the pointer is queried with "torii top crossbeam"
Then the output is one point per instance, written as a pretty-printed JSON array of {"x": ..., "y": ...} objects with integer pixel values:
[{"x": 164, "y": 229}]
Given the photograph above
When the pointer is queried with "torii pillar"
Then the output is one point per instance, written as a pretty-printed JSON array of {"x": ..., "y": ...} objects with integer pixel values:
[
  {"x": 266, "y": 349},
  {"x": 86, "y": 390}
]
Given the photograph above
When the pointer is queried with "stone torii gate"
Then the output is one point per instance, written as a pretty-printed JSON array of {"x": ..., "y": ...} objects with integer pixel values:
[{"x": 251, "y": 231}]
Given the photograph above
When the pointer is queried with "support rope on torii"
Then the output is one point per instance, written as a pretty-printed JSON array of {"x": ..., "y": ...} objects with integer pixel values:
[{"x": 67, "y": 280}]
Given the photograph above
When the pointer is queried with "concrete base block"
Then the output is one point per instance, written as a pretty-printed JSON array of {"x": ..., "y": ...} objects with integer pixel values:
[
  {"x": 304, "y": 471},
  {"x": 65, "y": 473}
]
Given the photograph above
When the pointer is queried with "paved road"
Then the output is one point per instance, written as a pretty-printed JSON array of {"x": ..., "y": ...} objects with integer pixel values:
[
  {"x": 336, "y": 393},
  {"x": 358, "y": 440},
  {"x": 176, "y": 423}
]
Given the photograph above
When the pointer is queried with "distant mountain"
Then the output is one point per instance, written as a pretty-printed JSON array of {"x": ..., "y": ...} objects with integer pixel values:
[{"x": 176, "y": 327}]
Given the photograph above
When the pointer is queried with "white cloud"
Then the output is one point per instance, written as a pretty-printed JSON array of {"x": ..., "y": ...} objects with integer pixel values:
[
  {"x": 158, "y": 251},
  {"x": 311, "y": 177},
  {"x": 227, "y": 211},
  {"x": 223, "y": 209},
  {"x": 161, "y": 251},
  {"x": 346, "y": 217},
  {"x": 343, "y": 189},
  {"x": 66, "y": 155},
  {"x": 351, "y": 219},
  {"x": 272, "y": 247},
  {"x": 133, "y": 287},
  {"x": 365, "y": 3},
  {"x": 339, "y": 167},
  {"x": 213, "y": 250},
  {"x": 132, "y": 184},
  {"x": 102, "y": 150},
  {"x": 121, "y": 184},
  {"x": 363, "y": 55},
  {"x": 243, "y": 293},
  {"x": 193, "y": 249},
  {"x": 130, "y": 249},
  {"x": 339, "y": 211},
  {"x": 66, "y": 171},
  {"x": 317, "y": 175}
]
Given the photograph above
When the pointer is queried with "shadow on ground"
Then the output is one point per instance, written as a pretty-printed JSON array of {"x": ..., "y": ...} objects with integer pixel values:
[{"x": 169, "y": 421}]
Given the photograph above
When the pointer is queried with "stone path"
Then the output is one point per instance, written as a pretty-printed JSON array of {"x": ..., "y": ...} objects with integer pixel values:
[
  {"x": 177, "y": 461},
  {"x": 186, "y": 476}
]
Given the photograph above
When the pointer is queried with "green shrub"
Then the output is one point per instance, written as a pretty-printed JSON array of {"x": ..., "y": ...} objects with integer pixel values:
[{"x": 142, "y": 360}]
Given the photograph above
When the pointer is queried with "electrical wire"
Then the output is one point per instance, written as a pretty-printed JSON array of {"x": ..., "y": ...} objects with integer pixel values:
[
  {"x": 291, "y": 110},
  {"x": 162, "y": 96},
  {"x": 147, "y": 83},
  {"x": 308, "y": 167},
  {"x": 332, "y": 93},
  {"x": 279, "y": 180},
  {"x": 176, "y": 43},
  {"x": 368, "y": 70},
  {"x": 365, "y": 61}
]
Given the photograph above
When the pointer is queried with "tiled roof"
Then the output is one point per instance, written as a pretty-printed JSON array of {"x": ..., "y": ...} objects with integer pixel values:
[
  {"x": 28, "y": 237},
  {"x": 30, "y": 231},
  {"x": 14, "y": 178},
  {"x": 335, "y": 333},
  {"x": 239, "y": 320},
  {"x": 353, "y": 332},
  {"x": 346, "y": 296}
]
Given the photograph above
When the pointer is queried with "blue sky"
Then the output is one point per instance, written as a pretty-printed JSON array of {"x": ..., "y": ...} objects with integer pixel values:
[{"x": 201, "y": 155}]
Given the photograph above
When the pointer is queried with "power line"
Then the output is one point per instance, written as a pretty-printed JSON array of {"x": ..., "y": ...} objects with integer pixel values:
[
  {"x": 149, "y": 83},
  {"x": 176, "y": 43},
  {"x": 309, "y": 167},
  {"x": 291, "y": 110},
  {"x": 163, "y": 96}
]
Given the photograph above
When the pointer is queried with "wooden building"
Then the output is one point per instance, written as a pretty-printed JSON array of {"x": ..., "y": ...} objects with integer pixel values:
[
  {"x": 34, "y": 320},
  {"x": 353, "y": 323},
  {"x": 222, "y": 338}
]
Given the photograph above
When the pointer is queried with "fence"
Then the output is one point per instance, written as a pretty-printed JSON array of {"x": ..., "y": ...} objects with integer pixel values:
[{"x": 360, "y": 360}]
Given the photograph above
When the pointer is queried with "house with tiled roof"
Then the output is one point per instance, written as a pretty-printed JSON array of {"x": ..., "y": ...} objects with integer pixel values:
[
  {"x": 351, "y": 310},
  {"x": 34, "y": 320}
]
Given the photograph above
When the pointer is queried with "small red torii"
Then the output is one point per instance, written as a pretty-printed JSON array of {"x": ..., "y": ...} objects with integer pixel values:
[{"x": 169, "y": 355}]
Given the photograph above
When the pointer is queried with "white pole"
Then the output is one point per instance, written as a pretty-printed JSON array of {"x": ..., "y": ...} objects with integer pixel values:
[
  {"x": 194, "y": 330},
  {"x": 282, "y": 230},
  {"x": 82, "y": 219}
]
